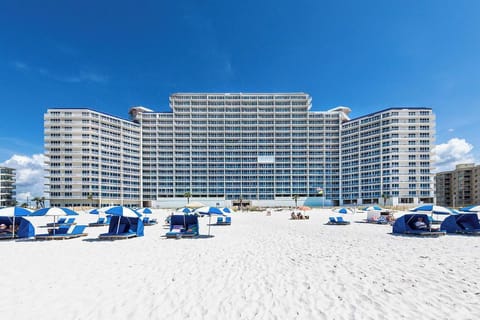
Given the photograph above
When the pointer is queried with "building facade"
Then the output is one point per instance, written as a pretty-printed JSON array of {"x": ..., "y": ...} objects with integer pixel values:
[
  {"x": 93, "y": 159},
  {"x": 259, "y": 149},
  {"x": 460, "y": 187},
  {"x": 386, "y": 157},
  {"x": 7, "y": 187}
]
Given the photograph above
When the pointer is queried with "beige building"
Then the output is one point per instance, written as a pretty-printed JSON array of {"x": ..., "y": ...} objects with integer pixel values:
[
  {"x": 7, "y": 187},
  {"x": 460, "y": 187}
]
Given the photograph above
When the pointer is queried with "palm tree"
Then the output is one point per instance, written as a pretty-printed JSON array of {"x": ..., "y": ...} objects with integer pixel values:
[
  {"x": 42, "y": 202},
  {"x": 385, "y": 197},
  {"x": 90, "y": 199},
  {"x": 295, "y": 197},
  {"x": 37, "y": 202},
  {"x": 187, "y": 195}
]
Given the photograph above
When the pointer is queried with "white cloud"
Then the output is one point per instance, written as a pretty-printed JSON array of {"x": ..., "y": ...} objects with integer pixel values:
[
  {"x": 30, "y": 175},
  {"x": 455, "y": 151}
]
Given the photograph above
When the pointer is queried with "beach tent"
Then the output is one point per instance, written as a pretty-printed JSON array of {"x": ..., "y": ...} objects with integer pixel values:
[
  {"x": 183, "y": 226},
  {"x": 13, "y": 213},
  {"x": 406, "y": 225},
  {"x": 25, "y": 227},
  {"x": 125, "y": 225},
  {"x": 461, "y": 223}
]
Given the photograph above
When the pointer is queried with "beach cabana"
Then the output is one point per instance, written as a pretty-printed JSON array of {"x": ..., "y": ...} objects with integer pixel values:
[
  {"x": 183, "y": 226},
  {"x": 122, "y": 227},
  {"x": 464, "y": 223},
  {"x": 24, "y": 228},
  {"x": 13, "y": 213},
  {"x": 343, "y": 211},
  {"x": 405, "y": 225}
]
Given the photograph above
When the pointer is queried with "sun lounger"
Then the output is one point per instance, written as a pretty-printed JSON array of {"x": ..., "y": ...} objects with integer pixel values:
[
  {"x": 62, "y": 234},
  {"x": 99, "y": 223},
  {"x": 338, "y": 221},
  {"x": 149, "y": 222},
  {"x": 183, "y": 226},
  {"x": 226, "y": 222},
  {"x": 117, "y": 236}
]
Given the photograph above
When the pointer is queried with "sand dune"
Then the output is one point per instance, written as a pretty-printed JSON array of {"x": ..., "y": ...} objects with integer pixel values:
[{"x": 260, "y": 267}]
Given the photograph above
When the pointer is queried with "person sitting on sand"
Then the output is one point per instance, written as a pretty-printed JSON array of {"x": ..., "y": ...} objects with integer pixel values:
[
  {"x": 293, "y": 216},
  {"x": 299, "y": 215},
  {"x": 4, "y": 228},
  {"x": 420, "y": 224}
]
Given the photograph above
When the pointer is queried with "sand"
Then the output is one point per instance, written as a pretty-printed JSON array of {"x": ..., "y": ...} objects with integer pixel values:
[{"x": 260, "y": 267}]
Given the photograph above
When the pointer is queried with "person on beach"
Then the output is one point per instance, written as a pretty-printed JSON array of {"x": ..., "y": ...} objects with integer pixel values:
[
  {"x": 3, "y": 228},
  {"x": 420, "y": 224}
]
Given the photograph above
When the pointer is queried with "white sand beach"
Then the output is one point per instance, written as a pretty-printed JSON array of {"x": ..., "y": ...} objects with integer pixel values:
[{"x": 260, "y": 267}]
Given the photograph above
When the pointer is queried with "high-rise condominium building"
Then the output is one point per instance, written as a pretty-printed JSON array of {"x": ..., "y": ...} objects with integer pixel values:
[
  {"x": 93, "y": 158},
  {"x": 7, "y": 187},
  {"x": 262, "y": 149},
  {"x": 459, "y": 187}
]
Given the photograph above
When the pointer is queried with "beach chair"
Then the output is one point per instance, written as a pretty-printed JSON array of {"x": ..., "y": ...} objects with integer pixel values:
[
  {"x": 338, "y": 221},
  {"x": 183, "y": 226},
  {"x": 101, "y": 221},
  {"x": 219, "y": 220},
  {"x": 62, "y": 233}
]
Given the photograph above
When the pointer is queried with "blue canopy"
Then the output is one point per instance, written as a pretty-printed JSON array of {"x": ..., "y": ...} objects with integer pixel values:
[
  {"x": 121, "y": 224},
  {"x": 475, "y": 208},
  {"x": 25, "y": 227},
  {"x": 209, "y": 210},
  {"x": 54, "y": 211},
  {"x": 432, "y": 209},
  {"x": 460, "y": 223},
  {"x": 406, "y": 223},
  {"x": 144, "y": 211},
  {"x": 183, "y": 220},
  {"x": 123, "y": 211},
  {"x": 372, "y": 208}
]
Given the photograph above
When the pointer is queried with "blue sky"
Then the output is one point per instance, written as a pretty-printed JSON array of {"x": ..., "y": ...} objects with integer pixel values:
[{"x": 367, "y": 55}]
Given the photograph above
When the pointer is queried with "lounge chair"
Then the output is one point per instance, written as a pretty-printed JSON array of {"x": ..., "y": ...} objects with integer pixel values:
[
  {"x": 149, "y": 222},
  {"x": 182, "y": 226},
  {"x": 99, "y": 223},
  {"x": 63, "y": 234},
  {"x": 337, "y": 221},
  {"x": 226, "y": 222}
]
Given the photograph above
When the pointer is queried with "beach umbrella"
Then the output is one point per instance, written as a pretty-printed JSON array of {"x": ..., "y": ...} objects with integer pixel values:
[
  {"x": 475, "y": 208},
  {"x": 372, "y": 208},
  {"x": 185, "y": 210},
  {"x": 432, "y": 209},
  {"x": 14, "y": 212},
  {"x": 304, "y": 208},
  {"x": 123, "y": 212},
  {"x": 100, "y": 210},
  {"x": 226, "y": 210},
  {"x": 209, "y": 211},
  {"x": 54, "y": 212},
  {"x": 194, "y": 205},
  {"x": 144, "y": 211},
  {"x": 343, "y": 210}
]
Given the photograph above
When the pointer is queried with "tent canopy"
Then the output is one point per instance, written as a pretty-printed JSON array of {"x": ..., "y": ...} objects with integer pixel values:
[
  {"x": 406, "y": 222},
  {"x": 25, "y": 227},
  {"x": 460, "y": 223},
  {"x": 125, "y": 225}
]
